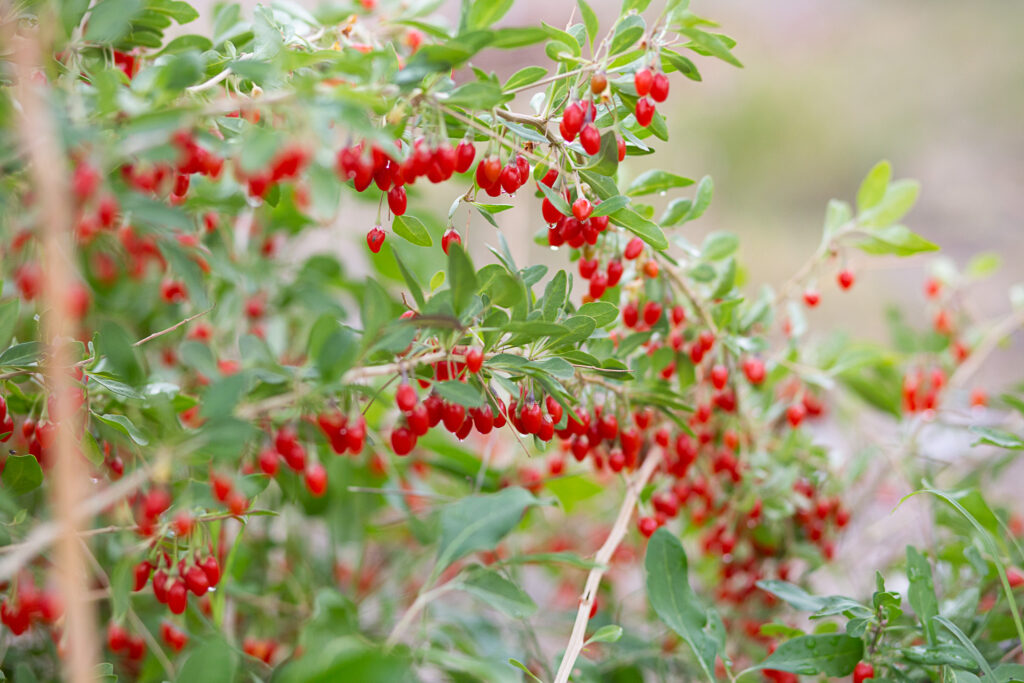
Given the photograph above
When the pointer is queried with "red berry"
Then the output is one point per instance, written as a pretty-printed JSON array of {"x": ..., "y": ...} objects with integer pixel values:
[
  {"x": 587, "y": 266},
  {"x": 142, "y": 571},
  {"x": 643, "y": 80},
  {"x": 572, "y": 117},
  {"x": 652, "y": 312},
  {"x": 491, "y": 169},
  {"x": 474, "y": 360},
  {"x": 453, "y": 416},
  {"x": 375, "y": 239},
  {"x": 620, "y": 144},
  {"x": 117, "y": 638},
  {"x": 177, "y": 596},
  {"x": 598, "y": 285},
  {"x": 647, "y": 526},
  {"x": 845, "y": 278},
  {"x": 464, "y": 155},
  {"x": 316, "y": 479},
  {"x": 211, "y": 568},
  {"x": 614, "y": 272},
  {"x": 644, "y": 112},
  {"x": 633, "y": 249},
  {"x": 590, "y": 138},
  {"x": 862, "y": 672},
  {"x": 510, "y": 178},
  {"x": 397, "y": 200},
  {"x": 659, "y": 87},
  {"x": 581, "y": 209},
  {"x": 268, "y": 461},
  {"x": 406, "y": 398},
  {"x": 719, "y": 376},
  {"x": 554, "y": 409},
  {"x": 753, "y": 368},
  {"x": 450, "y": 235},
  {"x": 402, "y": 441},
  {"x": 196, "y": 580},
  {"x": 598, "y": 82},
  {"x": 795, "y": 414},
  {"x": 531, "y": 418},
  {"x": 811, "y": 298}
]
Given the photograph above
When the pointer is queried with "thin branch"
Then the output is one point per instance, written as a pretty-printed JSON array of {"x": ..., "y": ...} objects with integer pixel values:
[
  {"x": 172, "y": 328},
  {"x": 603, "y": 559},
  {"x": 997, "y": 334}
]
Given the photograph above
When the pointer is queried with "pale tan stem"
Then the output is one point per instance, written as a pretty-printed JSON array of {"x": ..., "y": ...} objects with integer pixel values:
[
  {"x": 633, "y": 487},
  {"x": 68, "y": 479}
]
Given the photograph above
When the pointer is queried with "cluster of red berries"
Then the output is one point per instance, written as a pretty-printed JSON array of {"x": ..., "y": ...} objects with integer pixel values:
[
  {"x": 654, "y": 85},
  {"x": 921, "y": 389},
  {"x": 261, "y": 649},
  {"x": 418, "y": 417},
  {"x": 28, "y": 605},
  {"x": 172, "y": 582},
  {"x": 120, "y": 641}
]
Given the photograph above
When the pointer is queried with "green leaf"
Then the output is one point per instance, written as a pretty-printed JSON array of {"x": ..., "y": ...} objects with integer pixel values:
[
  {"x": 831, "y": 655},
  {"x": 719, "y": 245},
  {"x": 413, "y": 230},
  {"x": 123, "y": 425},
  {"x": 460, "y": 392},
  {"x": 603, "y": 312},
  {"x": 899, "y": 198},
  {"x": 709, "y": 43},
  {"x": 557, "y": 200},
  {"x": 983, "y": 264},
  {"x": 497, "y": 591},
  {"x": 461, "y": 277},
  {"x": 8, "y": 321},
  {"x": 479, "y": 523},
  {"x": 589, "y": 21},
  {"x": 628, "y": 31},
  {"x": 609, "y": 633},
  {"x": 25, "y": 353},
  {"x": 610, "y": 206},
  {"x": 572, "y": 489},
  {"x": 223, "y": 395},
  {"x": 968, "y": 645},
  {"x": 680, "y": 63},
  {"x": 213, "y": 661},
  {"x": 110, "y": 20},
  {"x": 22, "y": 474},
  {"x": 997, "y": 437},
  {"x": 872, "y": 188},
  {"x": 641, "y": 227},
  {"x": 794, "y": 595},
  {"x": 410, "y": 280},
  {"x": 514, "y": 37},
  {"x": 525, "y": 669},
  {"x": 656, "y": 181},
  {"x": 921, "y": 593},
  {"x": 896, "y": 240},
  {"x": 669, "y": 592},
  {"x": 525, "y": 76},
  {"x": 477, "y": 95},
  {"x": 483, "y": 13}
]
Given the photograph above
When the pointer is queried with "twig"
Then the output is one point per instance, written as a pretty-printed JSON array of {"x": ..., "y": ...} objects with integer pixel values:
[
  {"x": 550, "y": 79},
  {"x": 417, "y": 606},
  {"x": 172, "y": 328},
  {"x": 702, "y": 310},
  {"x": 603, "y": 558}
]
